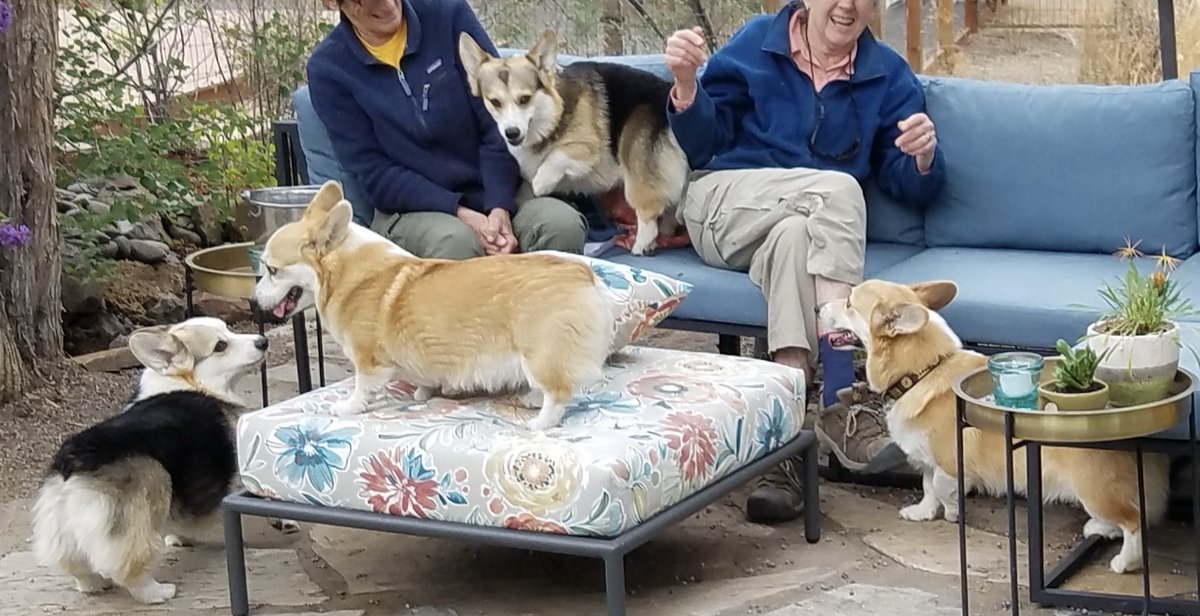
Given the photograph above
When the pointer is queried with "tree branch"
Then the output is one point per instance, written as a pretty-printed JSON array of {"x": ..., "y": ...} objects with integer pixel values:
[
  {"x": 701, "y": 16},
  {"x": 138, "y": 54},
  {"x": 641, "y": 10}
]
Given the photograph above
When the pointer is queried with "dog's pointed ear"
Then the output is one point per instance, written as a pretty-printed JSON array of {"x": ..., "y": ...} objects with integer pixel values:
[
  {"x": 159, "y": 350},
  {"x": 891, "y": 321},
  {"x": 544, "y": 53},
  {"x": 327, "y": 197},
  {"x": 472, "y": 57},
  {"x": 333, "y": 228},
  {"x": 935, "y": 294}
]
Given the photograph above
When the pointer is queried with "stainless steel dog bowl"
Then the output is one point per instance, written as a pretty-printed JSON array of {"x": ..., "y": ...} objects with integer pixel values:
[
  {"x": 264, "y": 210},
  {"x": 223, "y": 270},
  {"x": 1108, "y": 424}
]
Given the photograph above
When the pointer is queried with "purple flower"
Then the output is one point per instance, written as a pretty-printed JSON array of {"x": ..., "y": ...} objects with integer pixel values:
[
  {"x": 13, "y": 236},
  {"x": 5, "y": 16}
]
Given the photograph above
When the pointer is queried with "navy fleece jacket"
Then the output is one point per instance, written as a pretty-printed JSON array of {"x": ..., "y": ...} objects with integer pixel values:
[
  {"x": 415, "y": 138},
  {"x": 755, "y": 109}
]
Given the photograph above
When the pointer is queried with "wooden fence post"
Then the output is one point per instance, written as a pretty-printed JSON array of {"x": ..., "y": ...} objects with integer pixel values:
[{"x": 916, "y": 43}]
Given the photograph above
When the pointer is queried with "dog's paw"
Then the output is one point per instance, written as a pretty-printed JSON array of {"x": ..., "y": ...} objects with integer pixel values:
[
  {"x": 1122, "y": 564},
  {"x": 154, "y": 593},
  {"x": 346, "y": 408},
  {"x": 644, "y": 249},
  {"x": 175, "y": 541},
  {"x": 1100, "y": 528},
  {"x": 92, "y": 585},
  {"x": 287, "y": 527},
  {"x": 951, "y": 515},
  {"x": 543, "y": 184},
  {"x": 919, "y": 513},
  {"x": 540, "y": 424},
  {"x": 423, "y": 394}
]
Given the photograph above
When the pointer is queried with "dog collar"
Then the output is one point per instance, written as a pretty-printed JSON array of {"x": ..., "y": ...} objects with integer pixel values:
[{"x": 910, "y": 380}]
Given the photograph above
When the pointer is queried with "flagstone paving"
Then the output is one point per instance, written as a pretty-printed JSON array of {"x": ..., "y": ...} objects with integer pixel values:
[{"x": 868, "y": 562}]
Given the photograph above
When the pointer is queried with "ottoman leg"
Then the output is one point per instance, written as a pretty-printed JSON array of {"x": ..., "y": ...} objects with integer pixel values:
[
  {"x": 812, "y": 494},
  {"x": 614, "y": 583},
  {"x": 235, "y": 560}
]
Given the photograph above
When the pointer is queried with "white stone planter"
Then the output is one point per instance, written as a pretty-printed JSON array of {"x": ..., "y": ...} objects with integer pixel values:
[{"x": 1138, "y": 369}]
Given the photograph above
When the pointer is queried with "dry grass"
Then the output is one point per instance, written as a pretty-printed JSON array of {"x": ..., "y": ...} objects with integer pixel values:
[{"x": 1119, "y": 44}]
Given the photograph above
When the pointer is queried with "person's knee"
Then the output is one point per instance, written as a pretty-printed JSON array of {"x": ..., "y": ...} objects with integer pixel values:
[
  {"x": 845, "y": 191},
  {"x": 454, "y": 240},
  {"x": 550, "y": 224}
]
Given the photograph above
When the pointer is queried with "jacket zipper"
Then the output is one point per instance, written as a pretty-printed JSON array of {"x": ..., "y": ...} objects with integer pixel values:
[{"x": 408, "y": 92}]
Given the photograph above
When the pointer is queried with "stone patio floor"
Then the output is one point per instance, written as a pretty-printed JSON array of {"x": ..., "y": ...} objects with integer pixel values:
[{"x": 715, "y": 563}]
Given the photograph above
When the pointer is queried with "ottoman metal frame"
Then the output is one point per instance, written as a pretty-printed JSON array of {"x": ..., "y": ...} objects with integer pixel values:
[{"x": 611, "y": 550}]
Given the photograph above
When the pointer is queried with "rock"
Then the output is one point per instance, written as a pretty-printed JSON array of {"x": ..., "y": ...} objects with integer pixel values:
[
  {"x": 110, "y": 231},
  {"x": 115, "y": 359},
  {"x": 81, "y": 188},
  {"x": 92, "y": 332},
  {"x": 124, "y": 227},
  {"x": 148, "y": 251},
  {"x": 166, "y": 309},
  {"x": 150, "y": 229},
  {"x": 123, "y": 181},
  {"x": 228, "y": 310},
  {"x": 82, "y": 297},
  {"x": 110, "y": 250},
  {"x": 208, "y": 224},
  {"x": 124, "y": 247},
  {"x": 119, "y": 341},
  {"x": 184, "y": 235},
  {"x": 65, "y": 206},
  {"x": 81, "y": 199},
  {"x": 62, "y": 194},
  {"x": 98, "y": 208}
]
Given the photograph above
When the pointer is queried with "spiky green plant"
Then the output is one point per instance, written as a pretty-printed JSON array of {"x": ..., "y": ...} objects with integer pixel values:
[
  {"x": 1143, "y": 304},
  {"x": 1075, "y": 371}
]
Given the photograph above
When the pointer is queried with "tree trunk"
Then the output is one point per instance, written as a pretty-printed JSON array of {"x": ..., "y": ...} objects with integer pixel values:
[{"x": 30, "y": 276}]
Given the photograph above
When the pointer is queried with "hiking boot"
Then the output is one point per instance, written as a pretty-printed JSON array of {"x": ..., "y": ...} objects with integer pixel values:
[
  {"x": 777, "y": 498},
  {"x": 855, "y": 430}
]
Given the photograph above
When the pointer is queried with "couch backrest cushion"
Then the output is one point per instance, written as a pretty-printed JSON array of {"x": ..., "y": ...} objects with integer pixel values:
[
  {"x": 1194, "y": 79},
  {"x": 322, "y": 162},
  {"x": 1073, "y": 168}
]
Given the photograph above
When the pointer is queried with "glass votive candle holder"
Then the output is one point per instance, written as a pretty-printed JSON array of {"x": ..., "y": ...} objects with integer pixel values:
[{"x": 1015, "y": 379}]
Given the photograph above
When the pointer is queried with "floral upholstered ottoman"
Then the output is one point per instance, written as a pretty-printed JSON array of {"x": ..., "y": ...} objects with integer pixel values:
[{"x": 660, "y": 426}]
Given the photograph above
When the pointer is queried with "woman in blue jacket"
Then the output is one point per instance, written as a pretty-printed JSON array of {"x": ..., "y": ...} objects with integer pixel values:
[{"x": 388, "y": 86}]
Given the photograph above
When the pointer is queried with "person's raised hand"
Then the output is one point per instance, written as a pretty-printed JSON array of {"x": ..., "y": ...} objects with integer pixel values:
[
  {"x": 685, "y": 54},
  {"x": 918, "y": 139}
]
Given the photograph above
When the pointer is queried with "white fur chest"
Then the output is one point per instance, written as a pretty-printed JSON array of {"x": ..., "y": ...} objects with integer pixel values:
[
  {"x": 552, "y": 170},
  {"x": 911, "y": 440}
]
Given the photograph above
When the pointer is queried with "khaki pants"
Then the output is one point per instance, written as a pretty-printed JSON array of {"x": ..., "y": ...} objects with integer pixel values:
[
  {"x": 783, "y": 226},
  {"x": 541, "y": 223}
]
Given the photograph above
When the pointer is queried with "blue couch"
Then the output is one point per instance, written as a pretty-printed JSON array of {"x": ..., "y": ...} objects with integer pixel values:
[{"x": 1044, "y": 184}]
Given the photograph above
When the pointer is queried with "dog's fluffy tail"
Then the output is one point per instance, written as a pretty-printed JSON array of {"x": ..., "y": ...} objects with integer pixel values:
[{"x": 107, "y": 523}]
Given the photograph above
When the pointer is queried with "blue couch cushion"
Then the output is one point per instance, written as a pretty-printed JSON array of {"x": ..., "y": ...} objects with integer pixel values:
[
  {"x": 1194, "y": 80},
  {"x": 889, "y": 220},
  {"x": 1016, "y": 297},
  {"x": 1070, "y": 168},
  {"x": 725, "y": 296},
  {"x": 322, "y": 161}
]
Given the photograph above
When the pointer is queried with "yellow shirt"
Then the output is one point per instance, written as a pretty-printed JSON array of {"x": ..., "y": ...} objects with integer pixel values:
[{"x": 390, "y": 52}]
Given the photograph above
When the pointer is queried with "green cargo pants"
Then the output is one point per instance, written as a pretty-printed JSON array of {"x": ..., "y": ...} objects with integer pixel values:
[{"x": 541, "y": 223}]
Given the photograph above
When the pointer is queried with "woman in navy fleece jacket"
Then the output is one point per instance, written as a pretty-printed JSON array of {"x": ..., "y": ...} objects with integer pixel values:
[{"x": 388, "y": 86}]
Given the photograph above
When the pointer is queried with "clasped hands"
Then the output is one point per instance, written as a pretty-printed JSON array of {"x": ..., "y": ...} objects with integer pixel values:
[{"x": 494, "y": 229}]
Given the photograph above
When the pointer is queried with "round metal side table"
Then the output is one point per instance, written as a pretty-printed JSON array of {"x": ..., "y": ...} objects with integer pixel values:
[{"x": 1111, "y": 428}]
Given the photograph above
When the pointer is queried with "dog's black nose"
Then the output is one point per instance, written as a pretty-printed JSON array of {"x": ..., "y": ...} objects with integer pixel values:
[
  {"x": 512, "y": 133},
  {"x": 261, "y": 343}
]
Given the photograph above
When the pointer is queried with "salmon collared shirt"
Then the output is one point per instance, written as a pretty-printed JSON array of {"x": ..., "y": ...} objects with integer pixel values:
[{"x": 819, "y": 74}]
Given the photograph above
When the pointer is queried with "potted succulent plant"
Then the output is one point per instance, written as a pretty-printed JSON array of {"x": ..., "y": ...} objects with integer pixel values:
[
  {"x": 1073, "y": 386},
  {"x": 1137, "y": 338}
]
